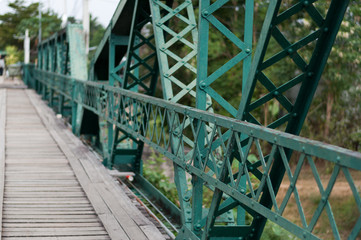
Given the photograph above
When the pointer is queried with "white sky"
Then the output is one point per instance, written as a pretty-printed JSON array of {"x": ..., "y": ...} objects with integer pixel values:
[{"x": 102, "y": 9}]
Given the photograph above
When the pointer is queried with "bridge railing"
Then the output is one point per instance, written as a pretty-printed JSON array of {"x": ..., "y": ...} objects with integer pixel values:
[{"x": 224, "y": 159}]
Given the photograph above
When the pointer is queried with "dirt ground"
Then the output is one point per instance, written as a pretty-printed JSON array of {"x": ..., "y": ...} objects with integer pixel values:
[{"x": 341, "y": 200}]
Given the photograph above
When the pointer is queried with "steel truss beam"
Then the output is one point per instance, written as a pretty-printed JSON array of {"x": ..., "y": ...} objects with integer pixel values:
[
  {"x": 64, "y": 53},
  {"x": 212, "y": 150},
  {"x": 136, "y": 108}
]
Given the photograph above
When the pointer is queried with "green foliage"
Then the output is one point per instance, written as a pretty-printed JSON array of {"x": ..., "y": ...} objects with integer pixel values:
[
  {"x": 22, "y": 17},
  {"x": 340, "y": 88},
  {"x": 50, "y": 23},
  {"x": 274, "y": 232},
  {"x": 13, "y": 55},
  {"x": 96, "y": 31},
  {"x": 155, "y": 175},
  {"x": 10, "y": 20},
  {"x": 96, "y": 34}
]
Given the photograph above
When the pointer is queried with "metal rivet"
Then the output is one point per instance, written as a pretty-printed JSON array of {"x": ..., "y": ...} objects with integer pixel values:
[
  {"x": 325, "y": 29},
  {"x": 290, "y": 50},
  {"x": 197, "y": 226},
  {"x": 202, "y": 85},
  {"x": 205, "y": 13},
  {"x": 306, "y": 3},
  {"x": 248, "y": 50},
  {"x": 276, "y": 93}
]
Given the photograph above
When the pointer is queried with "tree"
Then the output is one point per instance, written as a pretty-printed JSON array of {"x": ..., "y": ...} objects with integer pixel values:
[
  {"x": 96, "y": 34},
  {"x": 96, "y": 31},
  {"x": 338, "y": 102},
  {"x": 23, "y": 17}
]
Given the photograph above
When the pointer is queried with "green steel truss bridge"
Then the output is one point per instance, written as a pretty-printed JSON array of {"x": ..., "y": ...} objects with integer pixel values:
[{"x": 113, "y": 106}]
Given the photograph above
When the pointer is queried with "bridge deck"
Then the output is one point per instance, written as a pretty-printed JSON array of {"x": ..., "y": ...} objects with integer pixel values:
[{"x": 54, "y": 186}]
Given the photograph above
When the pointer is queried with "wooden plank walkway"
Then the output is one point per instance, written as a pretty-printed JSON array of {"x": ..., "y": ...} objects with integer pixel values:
[{"x": 53, "y": 186}]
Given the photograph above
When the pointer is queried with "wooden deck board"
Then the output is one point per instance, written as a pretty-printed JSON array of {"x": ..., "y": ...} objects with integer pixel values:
[
  {"x": 54, "y": 186},
  {"x": 2, "y": 151},
  {"x": 95, "y": 180}
]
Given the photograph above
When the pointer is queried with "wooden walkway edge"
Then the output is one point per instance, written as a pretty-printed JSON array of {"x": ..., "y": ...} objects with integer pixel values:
[
  {"x": 2, "y": 150},
  {"x": 117, "y": 214}
]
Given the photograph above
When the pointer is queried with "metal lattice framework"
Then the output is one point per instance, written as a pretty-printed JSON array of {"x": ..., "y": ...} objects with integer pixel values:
[{"x": 214, "y": 151}]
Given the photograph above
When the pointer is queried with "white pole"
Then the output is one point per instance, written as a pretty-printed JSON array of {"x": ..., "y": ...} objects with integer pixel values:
[
  {"x": 86, "y": 24},
  {"x": 27, "y": 47},
  {"x": 65, "y": 16}
]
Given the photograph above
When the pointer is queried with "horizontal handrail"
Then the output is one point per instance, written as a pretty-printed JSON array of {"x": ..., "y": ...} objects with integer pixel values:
[{"x": 161, "y": 125}]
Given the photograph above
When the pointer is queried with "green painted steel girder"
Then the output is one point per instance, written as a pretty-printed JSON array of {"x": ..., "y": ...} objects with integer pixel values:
[
  {"x": 205, "y": 147},
  {"x": 160, "y": 138}
]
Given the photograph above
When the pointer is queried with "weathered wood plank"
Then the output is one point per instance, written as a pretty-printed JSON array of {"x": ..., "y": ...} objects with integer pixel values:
[
  {"x": 42, "y": 210},
  {"x": 111, "y": 225},
  {"x": 103, "y": 237},
  {"x": 2, "y": 150},
  {"x": 46, "y": 220},
  {"x": 51, "y": 225},
  {"x": 47, "y": 216},
  {"x": 122, "y": 208},
  {"x": 53, "y": 232},
  {"x": 41, "y": 187}
]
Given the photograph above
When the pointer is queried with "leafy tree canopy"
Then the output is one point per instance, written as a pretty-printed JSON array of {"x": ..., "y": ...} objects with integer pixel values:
[{"x": 22, "y": 17}]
